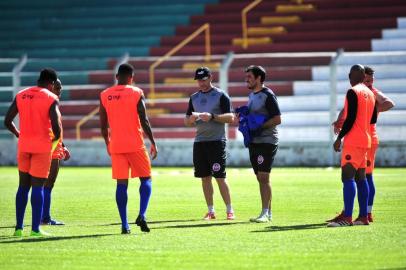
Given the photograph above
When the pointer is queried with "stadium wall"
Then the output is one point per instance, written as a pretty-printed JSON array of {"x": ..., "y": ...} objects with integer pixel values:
[{"x": 179, "y": 153}]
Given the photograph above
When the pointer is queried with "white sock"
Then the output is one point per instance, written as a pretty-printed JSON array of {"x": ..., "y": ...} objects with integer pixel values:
[
  {"x": 210, "y": 208},
  {"x": 369, "y": 209},
  {"x": 229, "y": 208},
  {"x": 264, "y": 211},
  {"x": 269, "y": 213}
]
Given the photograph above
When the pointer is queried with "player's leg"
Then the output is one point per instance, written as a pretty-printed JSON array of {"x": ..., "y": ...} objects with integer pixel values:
[
  {"x": 141, "y": 167},
  {"x": 21, "y": 201},
  {"x": 39, "y": 171},
  {"x": 362, "y": 192},
  {"x": 348, "y": 171},
  {"x": 48, "y": 187},
  {"x": 208, "y": 192},
  {"x": 145, "y": 195},
  {"x": 262, "y": 157},
  {"x": 37, "y": 201},
  {"x": 121, "y": 201},
  {"x": 203, "y": 171},
  {"x": 370, "y": 179},
  {"x": 120, "y": 171},
  {"x": 266, "y": 195},
  {"x": 217, "y": 159}
]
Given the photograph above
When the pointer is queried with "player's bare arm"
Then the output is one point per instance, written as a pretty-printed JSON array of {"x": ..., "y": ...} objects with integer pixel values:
[
  {"x": 273, "y": 122},
  {"x": 225, "y": 118},
  {"x": 55, "y": 116},
  {"x": 146, "y": 126},
  {"x": 384, "y": 102},
  {"x": 104, "y": 126},
  {"x": 8, "y": 120}
]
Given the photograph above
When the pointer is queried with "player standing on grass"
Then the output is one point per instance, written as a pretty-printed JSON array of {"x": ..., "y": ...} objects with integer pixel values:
[
  {"x": 209, "y": 110},
  {"x": 38, "y": 111},
  {"x": 60, "y": 153},
  {"x": 383, "y": 104},
  {"x": 263, "y": 148},
  {"x": 359, "y": 113},
  {"x": 122, "y": 119}
]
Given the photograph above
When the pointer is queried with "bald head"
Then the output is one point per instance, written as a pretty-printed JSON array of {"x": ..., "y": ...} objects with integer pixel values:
[{"x": 357, "y": 74}]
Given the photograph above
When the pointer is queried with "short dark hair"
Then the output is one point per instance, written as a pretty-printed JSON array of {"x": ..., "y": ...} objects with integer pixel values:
[
  {"x": 257, "y": 71},
  {"x": 369, "y": 71},
  {"x": 125, "y": 70},
  {"x": 47, "y": 76}
]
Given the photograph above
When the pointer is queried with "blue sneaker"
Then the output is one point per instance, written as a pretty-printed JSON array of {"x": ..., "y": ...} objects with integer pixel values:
[{"x": 51, "y": 222}]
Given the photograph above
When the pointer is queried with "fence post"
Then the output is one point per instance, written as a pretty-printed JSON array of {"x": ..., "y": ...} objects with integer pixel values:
[{"x": 333, "y": 102}]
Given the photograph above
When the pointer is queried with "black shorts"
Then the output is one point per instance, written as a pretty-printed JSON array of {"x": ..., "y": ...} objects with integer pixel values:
[
  {"x": 209, "y": 159},
  {"x": 262, "y": 156}
]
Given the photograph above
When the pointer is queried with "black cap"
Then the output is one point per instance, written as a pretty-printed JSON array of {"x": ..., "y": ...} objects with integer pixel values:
[{"x": 202, "y": 73}]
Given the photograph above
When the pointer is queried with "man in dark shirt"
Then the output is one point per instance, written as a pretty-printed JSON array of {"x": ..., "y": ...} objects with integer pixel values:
[
  {"x": 264, "y": 146},
  {"x": 209, "y": 110}
]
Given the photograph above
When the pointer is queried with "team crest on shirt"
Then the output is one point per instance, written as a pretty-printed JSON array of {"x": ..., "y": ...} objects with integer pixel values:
[
  {"x": 348, "y": 157},
  {"x": 260, "y": 159},
  {"x": 216, "y": 167},
  {"x": 203, "y": 101}
]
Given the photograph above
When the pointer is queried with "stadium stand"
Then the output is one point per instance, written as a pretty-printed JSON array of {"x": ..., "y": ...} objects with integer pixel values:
[{"x": 85, "y": 46}]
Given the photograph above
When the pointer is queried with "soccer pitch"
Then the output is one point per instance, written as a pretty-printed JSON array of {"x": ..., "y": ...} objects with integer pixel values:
[{"x": 84, "y": 198}]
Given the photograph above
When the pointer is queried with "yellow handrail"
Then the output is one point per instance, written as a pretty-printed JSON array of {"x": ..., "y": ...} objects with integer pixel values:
[
  {"x": 244, "y": 22},
  {"x": 84, "y": 120},
  {"x": 205, "y": 27}
]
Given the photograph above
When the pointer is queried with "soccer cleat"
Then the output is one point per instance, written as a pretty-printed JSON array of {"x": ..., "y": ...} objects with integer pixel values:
[
  {"x": 230, "y": 216},
  {"x": 142, "y": 223},
  {"x": 52, "y": 222},
  {"x": 361, "y": 221},
  {"x": 339, "y": 216},
  {"x": 370, "y": 218},
  {"x": 125, "y": 231},
  {"x": 341, "y": 222},
  {"x": 261, "y": 219},
  {"x": 210, "y": 216},
  {"x": 39, "y": 234},
  {"x": 18, "y": 233}
]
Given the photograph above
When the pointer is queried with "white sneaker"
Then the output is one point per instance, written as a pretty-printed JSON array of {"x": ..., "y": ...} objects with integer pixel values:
[{"x": 261, "y": 219}]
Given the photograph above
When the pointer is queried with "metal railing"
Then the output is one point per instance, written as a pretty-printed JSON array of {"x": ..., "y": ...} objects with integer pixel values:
[
  {"x": 204, "y": 28},
  {"x": 244, "y": 22}
]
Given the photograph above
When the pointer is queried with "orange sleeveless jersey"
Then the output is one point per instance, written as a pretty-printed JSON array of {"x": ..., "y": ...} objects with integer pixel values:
[
  {"x": 374, "y": 134},
  {"x": 121, "y": 102},
  {"x": 33, "y": 107},
  {"x": 360, "y": 135}
]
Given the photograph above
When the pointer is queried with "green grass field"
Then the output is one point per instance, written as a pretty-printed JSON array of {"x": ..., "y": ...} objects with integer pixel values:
[{"x": 296, "y": 239}]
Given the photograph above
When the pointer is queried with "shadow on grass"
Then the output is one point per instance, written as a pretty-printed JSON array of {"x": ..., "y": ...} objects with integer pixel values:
[
  {"x": 154, "y": 222},
  {"x": 50, "y": 238},
  {"x": 7, "y": 227},
  {"x": 201, "y": 225},
  {"x": 293, "y": 227}
]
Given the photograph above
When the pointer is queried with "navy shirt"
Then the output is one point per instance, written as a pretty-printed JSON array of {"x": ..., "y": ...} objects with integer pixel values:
[
  {"x": 265, "y": 102},
  {"x": 213, "y": 101}
]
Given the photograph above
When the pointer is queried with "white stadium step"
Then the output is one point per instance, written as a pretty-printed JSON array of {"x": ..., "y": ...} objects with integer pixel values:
[
  {"x": 313, "y": 119},
  {"x": 323, "y": 87},
  {"x": 322, "y": 102},
  {"x": 322, "y": 73},
  {"x": 394, "y": 33},
  {"x": 401, "y": 22},
  {"x": 372, "y": 58},
  {"x": 398, "y": 44},
  {"x": 322, "y": 134}
]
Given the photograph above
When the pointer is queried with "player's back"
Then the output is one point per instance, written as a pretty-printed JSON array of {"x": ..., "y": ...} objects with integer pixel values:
[
  {"x": 33, "y": 106},
  {"x": 359, "y": 135},
  {"x": 120, "y": 103}
]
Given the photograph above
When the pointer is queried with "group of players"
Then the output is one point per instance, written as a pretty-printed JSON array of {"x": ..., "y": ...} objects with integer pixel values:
[{"x": 123, "y": 119}]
